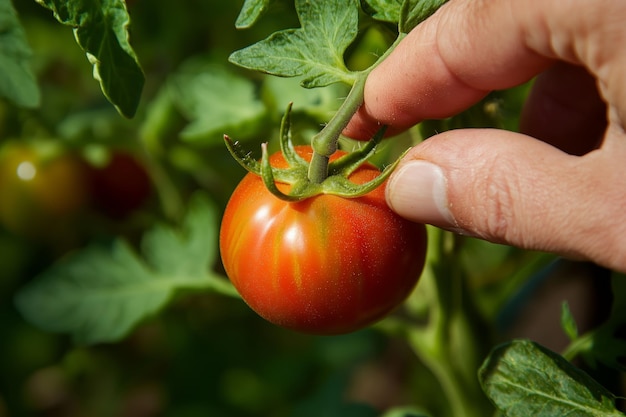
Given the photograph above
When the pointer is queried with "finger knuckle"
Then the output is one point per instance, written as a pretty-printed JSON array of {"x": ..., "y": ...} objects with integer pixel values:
[{"x": 498, "y": 203}]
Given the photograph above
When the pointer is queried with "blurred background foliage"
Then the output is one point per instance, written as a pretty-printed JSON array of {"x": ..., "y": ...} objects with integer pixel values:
[
  {"x": 100, "y": 176},
  {"x": 206, "y": 355}
]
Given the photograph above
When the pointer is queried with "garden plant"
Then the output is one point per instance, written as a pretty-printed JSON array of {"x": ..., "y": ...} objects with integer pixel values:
[{"x": 185, "y": 231}]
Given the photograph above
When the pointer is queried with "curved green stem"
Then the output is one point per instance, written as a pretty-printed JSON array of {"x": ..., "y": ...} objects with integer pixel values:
[
  {"x": 171, "y": 200},
  {"x": 167, "y": 192},
  {"x": 581, "y": 344},
  {"x": 454, "y": 342},
  {"x": 318, "y": 168},
  {"x": 214, "y": 283},
  {"x": 325, "y": 142}
]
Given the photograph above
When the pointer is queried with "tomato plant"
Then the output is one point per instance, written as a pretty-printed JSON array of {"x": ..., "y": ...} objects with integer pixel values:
[
  {"x": 323, "y": 265},
  {"x": 140, "y": 310}
]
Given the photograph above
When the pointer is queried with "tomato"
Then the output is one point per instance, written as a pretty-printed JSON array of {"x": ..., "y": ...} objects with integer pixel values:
[
  {"x": 120, "y": 186},
  {"x": 41, "y": 188},
  {"x": 324, "y": 265}
]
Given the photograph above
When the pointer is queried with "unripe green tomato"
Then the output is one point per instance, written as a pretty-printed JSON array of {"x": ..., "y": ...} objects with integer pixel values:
[{"x": 41, "y": 188}]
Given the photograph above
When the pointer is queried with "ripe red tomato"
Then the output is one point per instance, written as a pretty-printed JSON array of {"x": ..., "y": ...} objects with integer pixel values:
[{"x": 324, "y": 265}]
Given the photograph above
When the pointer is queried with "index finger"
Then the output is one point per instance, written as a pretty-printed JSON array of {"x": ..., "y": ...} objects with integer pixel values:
[{"x": 452, "y": 60}]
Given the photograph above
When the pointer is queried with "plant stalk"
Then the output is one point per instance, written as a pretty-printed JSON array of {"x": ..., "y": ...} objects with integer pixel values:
[
  {"x": 169, "y": 197},
  {"x": 452, "y": 344},
  {"x": 579, "y": 345},
  {"x": 325, "y": 142},
  {"x": 461, "y": 399}
]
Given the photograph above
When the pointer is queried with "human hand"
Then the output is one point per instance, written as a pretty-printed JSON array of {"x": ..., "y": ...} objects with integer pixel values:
[{"x": 558, "y": 186}]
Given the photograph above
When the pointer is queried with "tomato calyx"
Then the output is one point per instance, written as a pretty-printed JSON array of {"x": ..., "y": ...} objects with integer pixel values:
[{"x": 336, "y": 182}]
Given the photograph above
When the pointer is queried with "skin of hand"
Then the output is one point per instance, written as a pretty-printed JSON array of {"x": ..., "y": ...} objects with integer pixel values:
[{"x": 559, "y": 185}]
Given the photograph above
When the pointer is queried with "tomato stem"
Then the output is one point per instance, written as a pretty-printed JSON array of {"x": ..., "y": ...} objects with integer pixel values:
[
  {"x": 320, "y": 176},
  {"x": 324, "y": 144},
  {"x": 167, "y": 193}
]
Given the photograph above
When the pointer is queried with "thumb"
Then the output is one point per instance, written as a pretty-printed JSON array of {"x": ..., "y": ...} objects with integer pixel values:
[{"x": 509, "y": 188}]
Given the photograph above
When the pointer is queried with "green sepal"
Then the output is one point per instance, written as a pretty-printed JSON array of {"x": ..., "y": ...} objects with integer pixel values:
[
  {"x": 286, "y": 144},
  {"x": 286, "y": 175},
  {"x": 341, "y": 186},
  {"x": 296, "y": 175},
  {"x": 348, "y": 163},
  {"x": 242, "y": 156},
  {"x": 267, "y": 174}
]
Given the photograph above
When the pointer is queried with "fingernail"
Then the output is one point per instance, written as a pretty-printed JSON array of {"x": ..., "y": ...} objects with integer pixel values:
[{"x": 418, "y": 192}]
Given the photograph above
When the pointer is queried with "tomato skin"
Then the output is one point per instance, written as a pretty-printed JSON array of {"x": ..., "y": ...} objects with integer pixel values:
[{"x": 325, "y": 265}]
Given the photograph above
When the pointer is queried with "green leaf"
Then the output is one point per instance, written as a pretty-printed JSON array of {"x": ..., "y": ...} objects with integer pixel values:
[
  {"x": 386, "y": 10},
  {"x": 319, "y": 103},
  {"x": 407, "y": 14},
  {"x": 608, "y": 341},
  {"x": 101, "y": 293},
  {"x": 161, "y": 121},
  {"x": 101, "y": 30},
  {"x": 523, "y": 378},
  {"x": 568, "y": 323},
  {"x": 250, "y": 12},
  {"x": 416, "y": 11},
  {"x": 216, "y": 101},
  {"x": 314, "y": 51},
  {"x": 17, "y": 81},
  {"x": 607, "y": 345}
]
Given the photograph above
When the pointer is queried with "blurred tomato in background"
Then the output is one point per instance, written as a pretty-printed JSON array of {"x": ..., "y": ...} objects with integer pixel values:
[
  {"x": 119, "y": 185},
  {"x": 42, "y": 188}
]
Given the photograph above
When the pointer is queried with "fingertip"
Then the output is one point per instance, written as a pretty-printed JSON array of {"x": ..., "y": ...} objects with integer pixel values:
[{"x": 417, "y": 191}]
